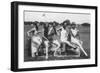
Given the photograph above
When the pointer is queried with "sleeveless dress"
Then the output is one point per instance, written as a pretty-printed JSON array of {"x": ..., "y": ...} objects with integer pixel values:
[
  {"x": 35, "y": 43},
  {"x": 73, "y": 38},
  {"x": 64, "y": 35}
]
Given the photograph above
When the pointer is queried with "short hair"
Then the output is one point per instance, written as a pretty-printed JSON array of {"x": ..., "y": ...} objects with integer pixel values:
[
  {"x": 56, "y": 23},
  {"x": 73, "y": 24},
  {"x": 42, "y": 23},
  {"x": 50, "y": 23}
]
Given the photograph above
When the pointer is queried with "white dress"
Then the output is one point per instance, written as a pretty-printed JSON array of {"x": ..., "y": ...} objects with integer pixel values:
[
  {"x": 74, "y": 39},
  {"x": 63, "y": 35},
  {"x": 77, "y": 41},
  {"x": 35, "y": 43}
]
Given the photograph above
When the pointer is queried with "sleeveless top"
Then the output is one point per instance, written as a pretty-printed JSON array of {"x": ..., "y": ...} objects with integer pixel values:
[
  {"x": 74, "y": 32},
  {"x": 64, "y": 35}
]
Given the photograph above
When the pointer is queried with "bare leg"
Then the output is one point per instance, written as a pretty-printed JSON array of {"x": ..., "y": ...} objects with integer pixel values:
[
  {"x": 57, "y": 47},
  {"x": 33, "y": 54},
  {"x": 80, "y": 45},
  {"x": 33, "y": 50},
  {"x": 46, "y": 44},
  {"x": 67, "y": 42},
  {"x": 83, "y": 50}
]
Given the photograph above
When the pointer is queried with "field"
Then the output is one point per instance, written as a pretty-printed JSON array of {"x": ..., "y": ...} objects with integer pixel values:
[{"x": 84, "y": 36}]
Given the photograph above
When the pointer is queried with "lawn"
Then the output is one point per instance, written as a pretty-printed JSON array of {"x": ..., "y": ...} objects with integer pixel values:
[{"x": 84, "y": 35}]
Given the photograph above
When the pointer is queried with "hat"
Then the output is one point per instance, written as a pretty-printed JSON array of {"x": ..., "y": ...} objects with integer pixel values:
[
  {"x": 73, "y": 23},
  {"x": 67, "y": 21}
]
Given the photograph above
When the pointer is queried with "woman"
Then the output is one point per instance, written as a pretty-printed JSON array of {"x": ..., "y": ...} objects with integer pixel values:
[
  {"x": 36, "y": 40},
  {"x": 55, "y": 40},
  {"x": 64, "y": 33},
  {"x": 75, "y": 37}
]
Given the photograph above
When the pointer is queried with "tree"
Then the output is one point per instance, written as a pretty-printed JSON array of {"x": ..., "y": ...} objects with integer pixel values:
[{"x": 85, "y": 24}]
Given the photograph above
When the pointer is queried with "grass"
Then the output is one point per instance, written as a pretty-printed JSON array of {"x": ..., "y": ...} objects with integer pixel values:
[{"x": 84, "y": 35}]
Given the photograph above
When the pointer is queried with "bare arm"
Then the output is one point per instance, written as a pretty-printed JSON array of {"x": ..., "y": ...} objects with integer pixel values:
[
  {"x": 59, "y": 28},
  {"x": 28, "y": 33}
]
